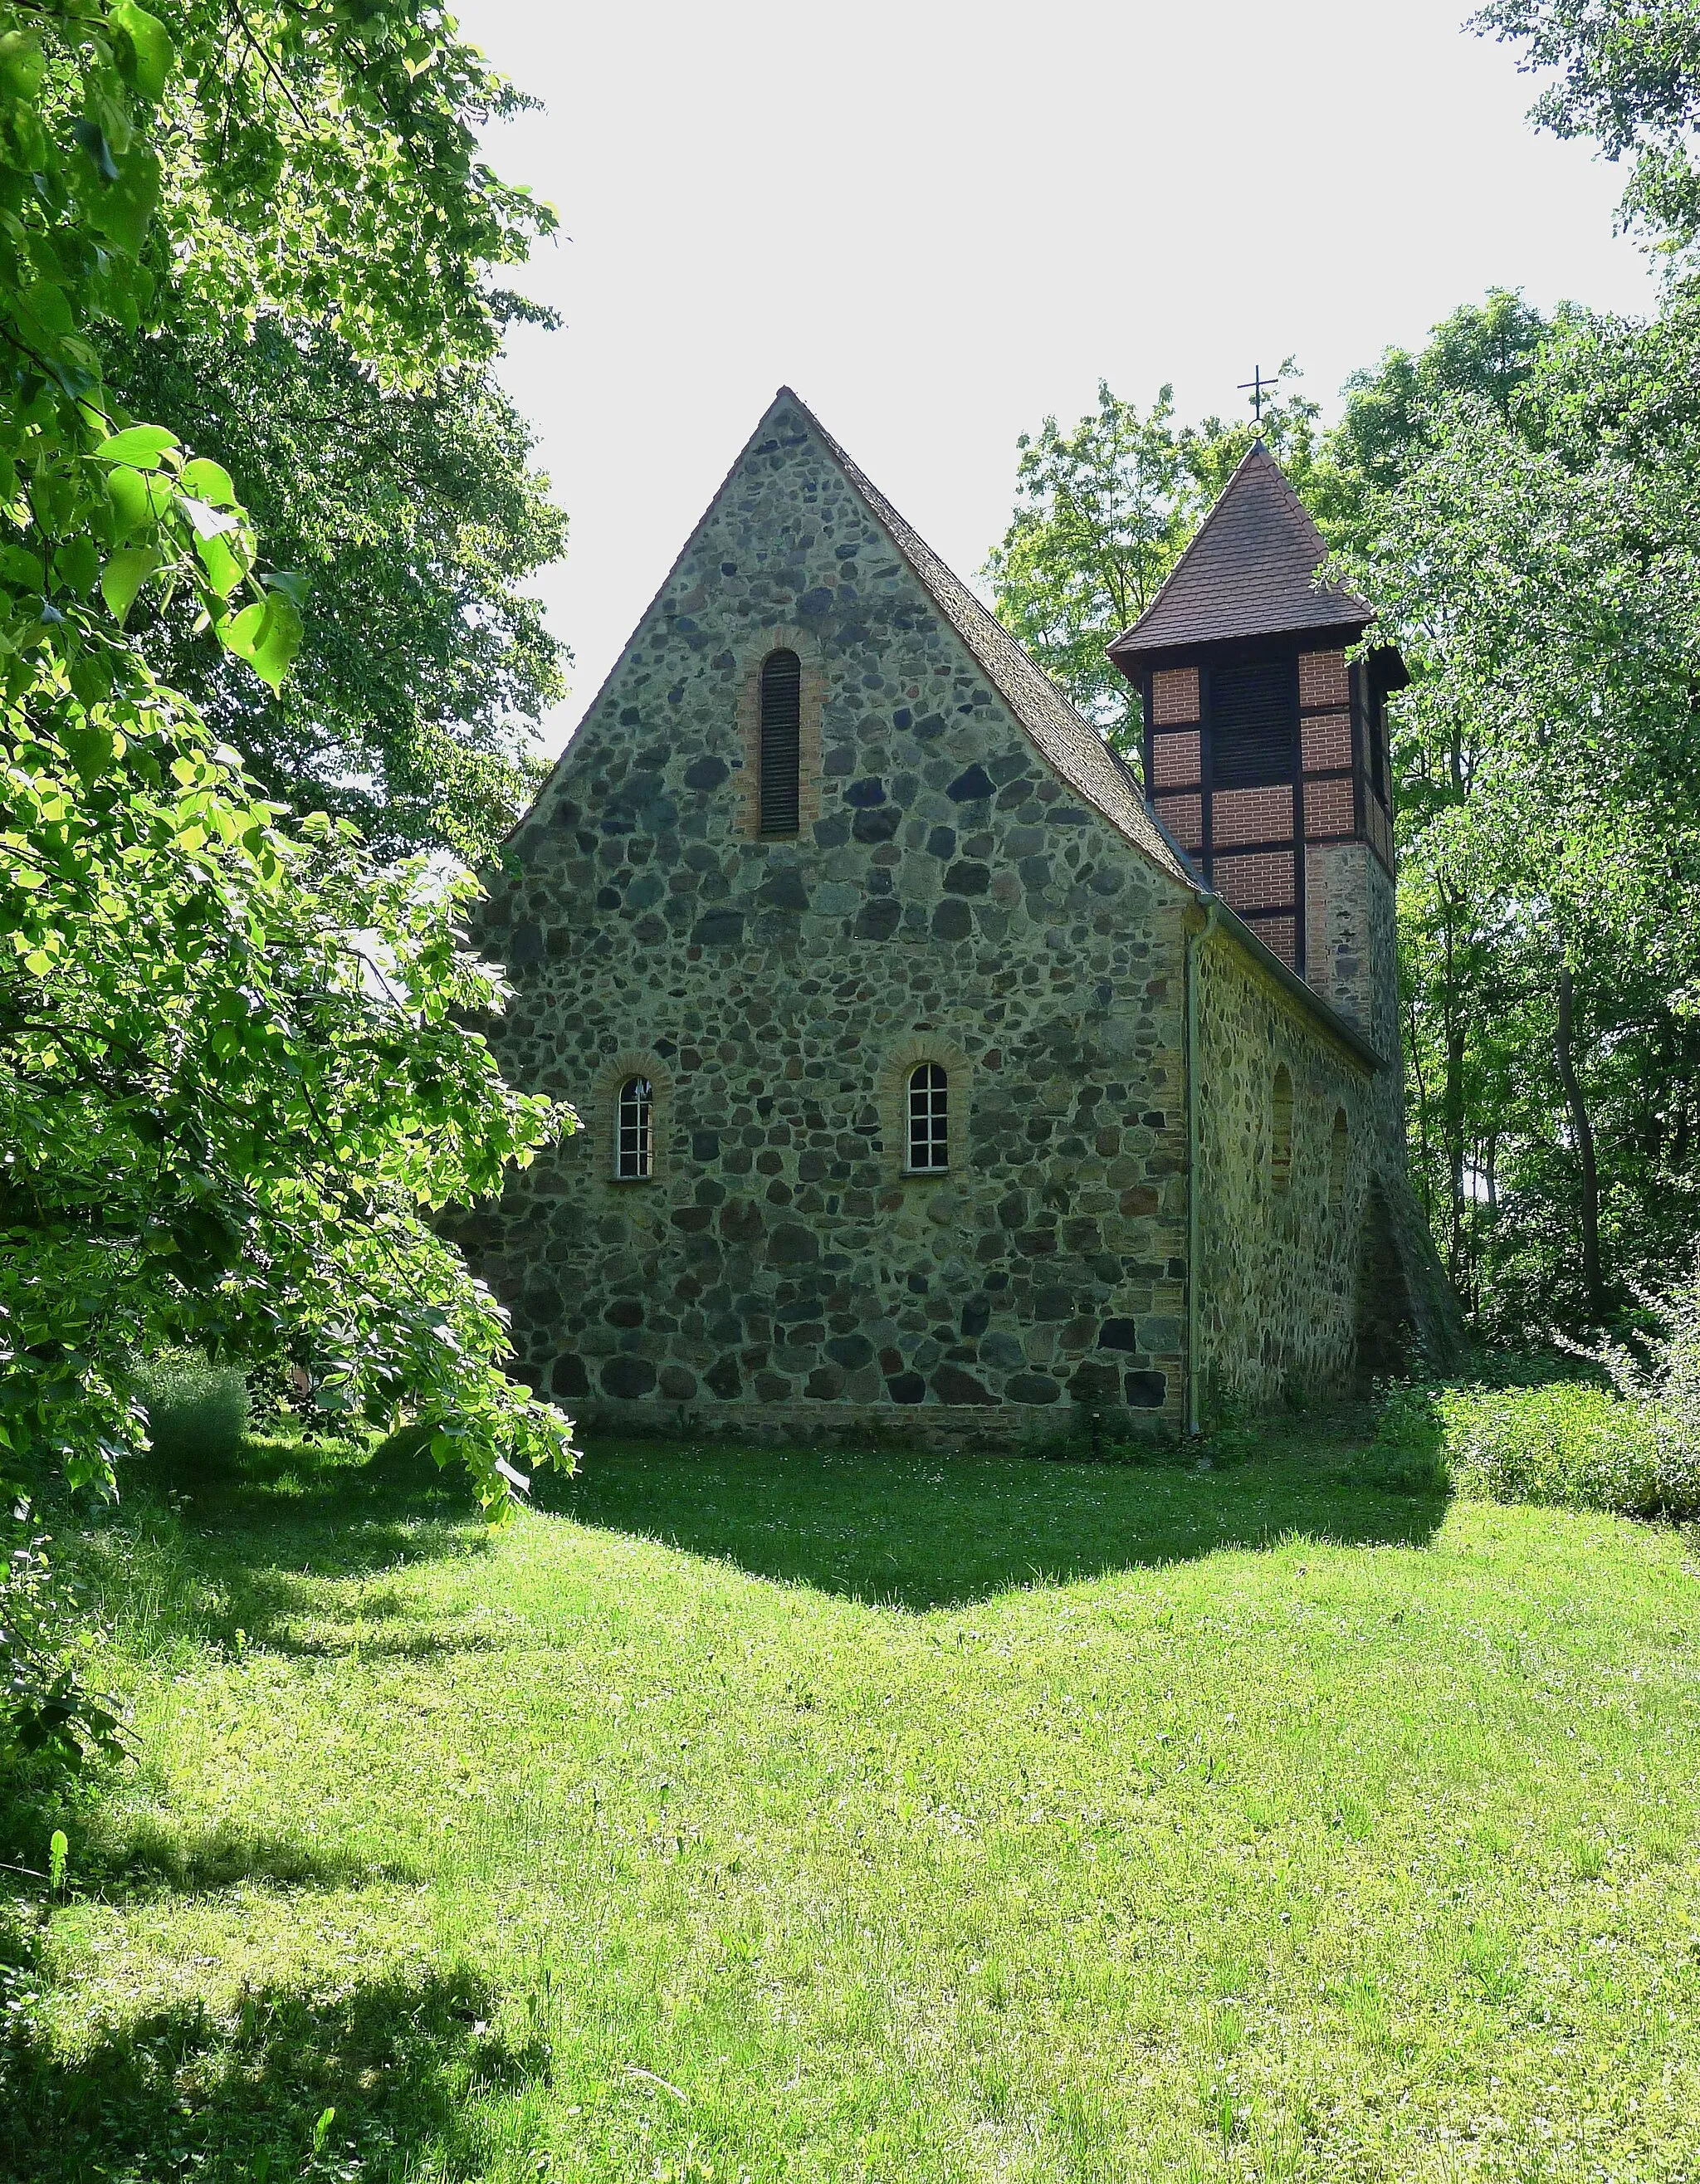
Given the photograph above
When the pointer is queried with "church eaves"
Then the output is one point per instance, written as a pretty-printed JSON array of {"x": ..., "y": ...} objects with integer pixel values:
[{"x": 1250, "y": 571}]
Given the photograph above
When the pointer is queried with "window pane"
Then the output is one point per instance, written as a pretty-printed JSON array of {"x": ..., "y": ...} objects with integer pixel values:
[
  {"x": 929, "y": 1133},
  {"x": 633, "y": 1131}
]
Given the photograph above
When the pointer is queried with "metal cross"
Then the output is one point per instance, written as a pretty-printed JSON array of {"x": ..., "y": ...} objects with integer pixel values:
[{"x": 1257, "y": 386}]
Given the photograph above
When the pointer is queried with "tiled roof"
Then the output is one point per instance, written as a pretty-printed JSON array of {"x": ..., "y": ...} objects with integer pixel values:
[
  {"x": 1250, "y": 572},
  {"x": 1072, "y": 746}
]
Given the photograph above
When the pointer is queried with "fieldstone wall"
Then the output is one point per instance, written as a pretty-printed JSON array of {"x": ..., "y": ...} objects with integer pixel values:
[
  {"x": 1283, "y": 1226},
  {"x": 949, "y": 897}
]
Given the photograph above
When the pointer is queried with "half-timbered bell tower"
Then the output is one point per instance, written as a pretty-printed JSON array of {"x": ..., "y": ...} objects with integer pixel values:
[{"x": 1266, "y": 749}]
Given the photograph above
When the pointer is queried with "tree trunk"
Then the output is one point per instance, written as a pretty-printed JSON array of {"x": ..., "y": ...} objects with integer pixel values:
[{"x": 1583, "y": 1131}]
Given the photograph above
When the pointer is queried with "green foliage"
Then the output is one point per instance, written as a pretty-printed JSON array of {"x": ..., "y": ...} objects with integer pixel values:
[
  {"x": 1527, "y": 531},
  {"x": 1631, "y": 1446},
  {"x": 412, "y": 515},
  {"x": 237, "y": 1074},
  {"x": 1102, "y": 514},
  {"x": 1629, "y": 76},
  {"x": 49, "y": 1715},
  {"x": 196, "y": 1413},
  {"x": 1568, "y": 1445}
]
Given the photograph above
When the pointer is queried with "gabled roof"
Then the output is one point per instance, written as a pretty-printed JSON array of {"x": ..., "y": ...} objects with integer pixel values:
[
  {"x": 1072, "y": 746},
  {"x": 1250, "y": 572}
]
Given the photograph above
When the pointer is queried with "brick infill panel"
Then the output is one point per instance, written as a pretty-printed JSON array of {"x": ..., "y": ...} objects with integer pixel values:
[
  {"x": 1263, "y": 879},
  {"x": 1251, "y": 815},
  {"x": 1329, "y": 808},
  {"x": 1175, "y": 696},
  {"x": 1326, "y": 741},
  {"x": 1323, "y": 680},
  {"x": 1175, "y": 759},
  {"x": 1183, "y": 816}
]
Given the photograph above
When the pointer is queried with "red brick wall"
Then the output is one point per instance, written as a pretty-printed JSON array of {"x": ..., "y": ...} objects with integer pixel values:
[
  {"x": 1329, "y": 808},
  {"x": 1322, "y": 679},
  {"x": 1326, "y": 740},
  {"x": 1175, "y": 696},
  {"x": 1251, "y": 815},
  {"x": 1260, "y": 880},
  {"x": 1175, "y": 759},
  {"x": 1183, "y": 816}
]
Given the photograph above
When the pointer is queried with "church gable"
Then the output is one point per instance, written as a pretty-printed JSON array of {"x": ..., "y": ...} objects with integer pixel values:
[
  {"x": 747, "y": 994},
  {"x": 912, "y": 743}
]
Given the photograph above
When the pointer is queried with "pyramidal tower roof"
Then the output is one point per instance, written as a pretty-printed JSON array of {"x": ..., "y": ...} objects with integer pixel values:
[{"x": 1250, "y": 571}]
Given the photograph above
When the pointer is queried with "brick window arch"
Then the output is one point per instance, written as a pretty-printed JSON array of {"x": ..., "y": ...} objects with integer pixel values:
[
  {"x": 1281, "y": 1128},
  {"x": 1336, "y": 1161},
  {"x": 626, "y": 1117},
  {"x": 926, "y": 1091},
  {"x": 782, "y": 693}
]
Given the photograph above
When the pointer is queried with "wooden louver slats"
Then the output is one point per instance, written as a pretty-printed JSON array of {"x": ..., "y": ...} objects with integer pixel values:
[
  {"x": 1254, "y": 718},
  {"x": 782, "y": 714}
]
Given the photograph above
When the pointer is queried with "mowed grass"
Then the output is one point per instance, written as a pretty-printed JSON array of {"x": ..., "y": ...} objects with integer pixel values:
[{"x": 791, "y": 1816}]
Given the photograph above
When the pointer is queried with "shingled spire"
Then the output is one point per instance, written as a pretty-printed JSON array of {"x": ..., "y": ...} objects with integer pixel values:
[
  {"x": 1250, "y": 571},
  {"x": 1266, "y": 747}
]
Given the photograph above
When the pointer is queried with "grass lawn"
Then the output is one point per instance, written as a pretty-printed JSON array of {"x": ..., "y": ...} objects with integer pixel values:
[{"x": 761, "y": 1816}]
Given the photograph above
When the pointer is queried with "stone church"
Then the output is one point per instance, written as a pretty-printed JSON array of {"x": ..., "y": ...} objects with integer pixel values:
[{"x": 931, "y": 1069}]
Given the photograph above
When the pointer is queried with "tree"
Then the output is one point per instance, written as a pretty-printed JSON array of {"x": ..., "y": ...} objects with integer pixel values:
[
  {"x": 1543, "y": 588},
  {"x": 414, "y": 517},
  {"x": 1629, "y": 76},
  {"x": 237, "y": 1071},
  {"x": 1103, "y": 514}
]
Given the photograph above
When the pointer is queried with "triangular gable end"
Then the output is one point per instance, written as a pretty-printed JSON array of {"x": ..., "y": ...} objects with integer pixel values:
[
  {"x": 1069, "y": 743},
  {"x": 1250, "y": 572}
]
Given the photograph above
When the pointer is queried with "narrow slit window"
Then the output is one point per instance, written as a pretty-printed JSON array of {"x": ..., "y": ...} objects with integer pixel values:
[
  {"x": 781, "y": 724},
  {"x": 1337, "y": 1161},
  {"x": 1281, "y": 1138},
  {"x": 635, "y": 1130},
  {"x": 929, "y": 1119}
]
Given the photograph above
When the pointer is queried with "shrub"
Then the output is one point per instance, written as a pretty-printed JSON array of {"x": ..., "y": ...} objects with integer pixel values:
[
  {"x": 47, "y": 1709},
  {"x": 1632, "y": 1446},
  {"x": 196, "y": 1413},
  {"x": 1569, "y": 1444}
]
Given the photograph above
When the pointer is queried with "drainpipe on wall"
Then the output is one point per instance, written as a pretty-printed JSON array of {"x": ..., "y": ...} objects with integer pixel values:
[{"x": 1208, "y": 904}]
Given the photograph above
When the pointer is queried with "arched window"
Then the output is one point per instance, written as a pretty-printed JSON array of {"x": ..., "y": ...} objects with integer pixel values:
[
  {"x": 1281, "y": 1134},
  {"x": 929, "y": 1119},
  {"x": 781, "y": 724},
  {"x": 634, "y": 1130},
  {"x": 1337, "y": 1161}
]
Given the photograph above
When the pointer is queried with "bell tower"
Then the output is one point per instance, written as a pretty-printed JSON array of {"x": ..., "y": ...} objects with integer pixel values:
[{"x": 1266, "y": 752}]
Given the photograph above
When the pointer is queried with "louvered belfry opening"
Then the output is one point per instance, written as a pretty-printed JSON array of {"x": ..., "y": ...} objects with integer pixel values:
[
  {"x": 782, "y": 722},
  {"x": 1254, "y": 723}
]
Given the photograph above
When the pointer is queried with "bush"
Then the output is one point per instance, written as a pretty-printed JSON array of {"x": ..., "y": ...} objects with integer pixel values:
[
  {"x": 1632, "y": 1447},
  {"x": 47, "y": 1709},
  {"x": 196, "y": 1413},
  {"x": 1569, "y": 1446}
]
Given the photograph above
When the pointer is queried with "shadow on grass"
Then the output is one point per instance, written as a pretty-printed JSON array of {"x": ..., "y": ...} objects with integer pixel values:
[
  {"x": 183, "y": 2093},
  {"x": 235, "y": 1556},
  {"x": 930, "y": 1531}
]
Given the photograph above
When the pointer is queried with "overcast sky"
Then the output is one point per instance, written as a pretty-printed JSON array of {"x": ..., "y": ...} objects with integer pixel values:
[{"x": 939, "y": 222}]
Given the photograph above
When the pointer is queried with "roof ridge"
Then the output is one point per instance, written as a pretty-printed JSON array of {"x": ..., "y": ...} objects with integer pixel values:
[
  {"x": 1067, "y": 741},
  {"x": 1186, "y": 551}
]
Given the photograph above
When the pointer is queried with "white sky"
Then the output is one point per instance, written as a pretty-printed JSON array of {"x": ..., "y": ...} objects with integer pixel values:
[{"x": 939, "y": 222}]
